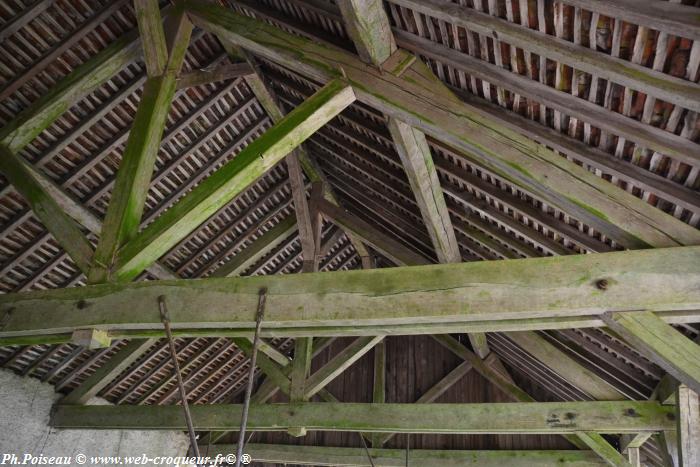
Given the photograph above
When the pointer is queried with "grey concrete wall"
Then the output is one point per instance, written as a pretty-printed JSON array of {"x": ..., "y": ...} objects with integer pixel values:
[{"x": 25, "y": 407}]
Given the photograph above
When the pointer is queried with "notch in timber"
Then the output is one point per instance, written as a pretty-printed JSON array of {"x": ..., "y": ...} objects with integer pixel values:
[{"x": 91, "y": 338}]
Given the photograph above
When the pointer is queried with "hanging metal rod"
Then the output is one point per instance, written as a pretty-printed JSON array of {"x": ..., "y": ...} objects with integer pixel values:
[
  {"x": 183, "y": 394},
  {"x": 251, "y": 373}
]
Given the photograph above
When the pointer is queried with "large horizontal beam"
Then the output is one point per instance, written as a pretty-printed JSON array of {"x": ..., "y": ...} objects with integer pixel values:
[
  {"x": 357, "y": 457},
  {"x": 515, "y": 417},
  {"x": 523, "y": 294},
  {"x": 421, "y": 100},
  {"x": 231, "y": 179}
]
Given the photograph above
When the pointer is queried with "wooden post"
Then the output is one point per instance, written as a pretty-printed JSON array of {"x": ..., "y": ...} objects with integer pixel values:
[{"x": 688, "y": 432}]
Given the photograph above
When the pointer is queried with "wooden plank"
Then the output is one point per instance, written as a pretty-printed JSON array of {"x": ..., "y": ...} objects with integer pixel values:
[
  {"x": 357, "y": 457},
  {"x": 106, "y": 373},
  {"x": 660, "y": 343},
  {"x": 368, "y": 27},
  {"x": 56, "y": 51},
  {"x": 589, "y": 155},
  {"x": 495, "y": 418},
  {"x": 301, "y": 366},
  {"x": 27, "y": 15},
  {"x": 623, "y": 72},
  {"x": 649, "y": 136},
  {"x": 259, "y": 248},
  {"x": 64, "y": 229},
  {"x": 133, "y": 179},
  {"x": 688, "y": 417},
  {"x": 155, "y": 52},
  {"x": 338, "y": 364},
  {"x": 604, "y": 449},
  {"x": 215, "y": 75},
  {"x": 565, "y": 366},
  {"x": 384, "y": 244},
  {"x": 231, "y": 179},
  {"x": 674, "y": 18},
  {"x": 544, "y": 293},
  {"x": 80, "y": 82},
  {"x": 421, "y": 100}
]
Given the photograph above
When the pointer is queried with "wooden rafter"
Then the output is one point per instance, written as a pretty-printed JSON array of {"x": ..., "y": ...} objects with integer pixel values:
[
  {"x": 63, "y": 228},
  {"x": 228, "y": 181},
  {"x": 420, "y": 99},
  {"x": 164, "y": 53}
]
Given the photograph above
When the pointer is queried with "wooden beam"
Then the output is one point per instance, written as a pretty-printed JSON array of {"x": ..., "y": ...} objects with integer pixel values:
[
  {"x": 565, "y": 366},
  {"x": 384, "y": 244},
  {"x": 649, "y": 136},
  {"x": 357, "y": 457},
  {"x": 268, "y": 100},
  {"x": 106, "y": 373},
  {"x": 80, "y": 82},
  {"x": 303, "y": 214},
  {"x": 227, "y": 182},
  {"x": 688, "y": 417},
  {"x": 417, "y": 161},
  {"x": 301, "y": 366},
  {"x": 164, "y": 58},
  {"x": 64, "y": 229},
  {"x": 603, "y": 449},
  {"x": 623, "y": 72},
  {"x": 420, "y": 99},
  {"x": 536, "y": 293},
  {"x": 155, "y": 51},
  {"x": 495, "y": 418},
  {"x": 674, "y": 18},
  {"x": 660, "y": 343},
  {"x": 432, "y": 394},
  {"x": 338, "y": 364},
  {"x": 208, "y": 76},
  {"x": 258, "y": 248},
  {"x": 368, "y": 27}
]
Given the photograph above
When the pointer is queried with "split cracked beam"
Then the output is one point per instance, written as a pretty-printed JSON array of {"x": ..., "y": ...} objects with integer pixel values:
[
  {"x": 494, "y": 418},
  {"x": 523, "y": 294}
]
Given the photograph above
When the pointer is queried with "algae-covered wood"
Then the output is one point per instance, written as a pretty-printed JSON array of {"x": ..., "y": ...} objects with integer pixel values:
[
  {"x": 544, "y": 293},
  {"x": 418, "y": 98},
  {"x": 357, "y": 457},
  {"x": 231, "y": 179},
  {"x": 531, "y": 417},
  {"x": 660, "y": 343}
]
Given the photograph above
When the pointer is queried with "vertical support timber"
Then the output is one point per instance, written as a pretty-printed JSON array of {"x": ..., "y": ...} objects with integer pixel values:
[
  {"x": 368, "y": 27},
  {"x": 379, "y": 385},
  {"x": 688, "y": 432},
  {"x": 164, "y": 53},
  {"x": 301, "y": 366}
]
